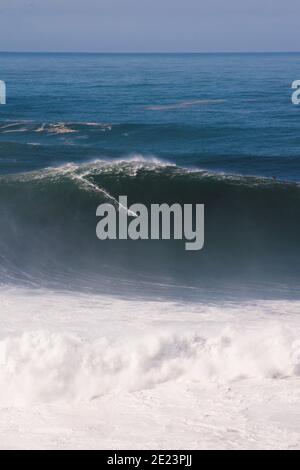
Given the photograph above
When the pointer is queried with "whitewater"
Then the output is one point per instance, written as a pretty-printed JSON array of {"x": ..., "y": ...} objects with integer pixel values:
[{"x": 94, "y": 371}]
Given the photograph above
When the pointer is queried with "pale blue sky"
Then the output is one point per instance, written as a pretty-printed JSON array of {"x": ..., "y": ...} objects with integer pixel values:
[{"x": 149, "y": 25}]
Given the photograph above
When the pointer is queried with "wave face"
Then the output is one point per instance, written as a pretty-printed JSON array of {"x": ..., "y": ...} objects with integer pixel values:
[{"x": 48, "y": 221}]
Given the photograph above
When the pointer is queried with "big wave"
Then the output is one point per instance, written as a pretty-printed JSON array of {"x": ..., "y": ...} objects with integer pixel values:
[{"x": 48, "y": 221}]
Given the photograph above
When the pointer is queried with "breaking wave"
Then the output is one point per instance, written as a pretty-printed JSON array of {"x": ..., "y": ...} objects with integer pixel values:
[
  {"x": 43, "y": 367},
  {"x": 48, "y": 221}
]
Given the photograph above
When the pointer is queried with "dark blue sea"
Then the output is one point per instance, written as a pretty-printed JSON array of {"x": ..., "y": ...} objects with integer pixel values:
[{"x": 218, "y": 129}]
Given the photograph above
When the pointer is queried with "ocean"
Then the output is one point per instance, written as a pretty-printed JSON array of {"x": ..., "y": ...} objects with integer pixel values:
[{"x": 145, "y": 325}]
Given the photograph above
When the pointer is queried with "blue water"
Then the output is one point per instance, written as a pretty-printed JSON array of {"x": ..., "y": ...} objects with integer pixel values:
[
  {"x": 79, "y": 126},
  {"x": 223, "y": 112}
]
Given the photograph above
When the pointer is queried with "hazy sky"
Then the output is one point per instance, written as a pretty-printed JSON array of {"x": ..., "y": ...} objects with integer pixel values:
[{"x": 149, "y": 25}]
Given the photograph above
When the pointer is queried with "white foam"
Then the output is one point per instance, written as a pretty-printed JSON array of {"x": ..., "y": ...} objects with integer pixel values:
[
  {"x": 92, "y": 371},
  {"x": 57, "y": 128},
  {"x": 39, "y": 367}
]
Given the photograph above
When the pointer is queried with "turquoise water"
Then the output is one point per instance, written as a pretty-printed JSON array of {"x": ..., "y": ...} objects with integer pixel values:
[{"x": 216, "y": 129}]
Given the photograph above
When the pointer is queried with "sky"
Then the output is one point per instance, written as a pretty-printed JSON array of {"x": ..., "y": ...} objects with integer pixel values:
[{"x": 149, "y": 25}]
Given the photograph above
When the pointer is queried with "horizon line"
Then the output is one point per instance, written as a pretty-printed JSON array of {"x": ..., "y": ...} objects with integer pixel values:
[{"x": 148, "y": 53}]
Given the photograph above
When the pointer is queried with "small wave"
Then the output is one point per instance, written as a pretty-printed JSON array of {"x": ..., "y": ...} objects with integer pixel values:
[
  {"x": 15, "y": 127},
  {"x": 182, "y": 105},
  {"x": 59, "y": 128},
  {"x": 48, "y": 128},
  {"x": 102, "y": 126},
  {"x": 9, "y": 124},
  {"x": 12, "y": 131},
  {"x": 71, "y": 127}
]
